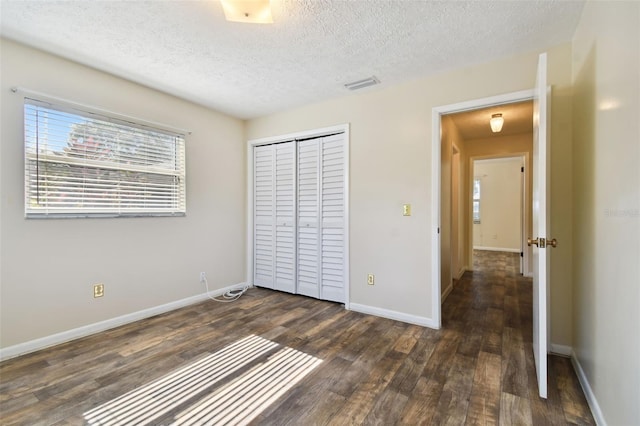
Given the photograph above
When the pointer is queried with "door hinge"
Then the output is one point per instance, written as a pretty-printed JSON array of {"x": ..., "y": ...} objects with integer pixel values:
[
  {"x": 438, "y": 230},
  {"x": 521, "y": 254},
  {"x": 521, "y": 169}
]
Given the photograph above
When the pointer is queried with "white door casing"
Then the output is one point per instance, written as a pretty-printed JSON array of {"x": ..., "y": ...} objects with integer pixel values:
[{"x": 436, "y": 158}]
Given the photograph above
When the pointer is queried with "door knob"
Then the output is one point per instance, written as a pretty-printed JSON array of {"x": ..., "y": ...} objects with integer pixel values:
[{"x": 542, "y": 242}]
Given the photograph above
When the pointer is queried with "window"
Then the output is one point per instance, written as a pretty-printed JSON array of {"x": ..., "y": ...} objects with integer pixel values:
[
  {"x": 476, "y": 200},
  {"x": 81, "y": 164}
]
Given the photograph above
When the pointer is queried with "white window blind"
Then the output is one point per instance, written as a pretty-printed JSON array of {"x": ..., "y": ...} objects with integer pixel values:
[{"x": 81, "y": 164}]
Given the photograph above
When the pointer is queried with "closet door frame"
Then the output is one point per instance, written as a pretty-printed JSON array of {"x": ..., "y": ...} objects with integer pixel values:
[{"x": 251, "y": 144}]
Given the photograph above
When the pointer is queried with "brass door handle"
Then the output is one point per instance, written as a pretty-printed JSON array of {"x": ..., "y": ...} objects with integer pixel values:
[{"x": 542, "y": 242}]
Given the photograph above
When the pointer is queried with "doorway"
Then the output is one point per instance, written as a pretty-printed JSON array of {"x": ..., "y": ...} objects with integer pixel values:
[
  {"x": 443, "y": 156},
  {"x": 498, "y": 205}
]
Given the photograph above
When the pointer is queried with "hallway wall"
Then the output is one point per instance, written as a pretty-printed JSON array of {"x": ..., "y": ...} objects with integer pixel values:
[
  {"x": 500, "y": 204},
  {"x": 606, "y": 202}
]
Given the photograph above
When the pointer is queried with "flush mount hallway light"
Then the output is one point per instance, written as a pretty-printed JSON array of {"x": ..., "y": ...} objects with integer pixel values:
[
  {"x": 496, "y": 123},
  {"x": 248, "y": 11}
]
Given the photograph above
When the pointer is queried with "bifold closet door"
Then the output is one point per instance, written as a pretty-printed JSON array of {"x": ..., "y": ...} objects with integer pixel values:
[
  {"x": 274, "y": 216},
  {"x": 321, "y": 216},
  {"x": 308, "y": 218},
  {"x": 332, "y": 213}
]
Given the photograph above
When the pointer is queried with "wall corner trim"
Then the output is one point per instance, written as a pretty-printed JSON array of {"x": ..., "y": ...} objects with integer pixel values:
[
  {"x": 394, "y": 315},
  {"x": 588, "y": 392},
  {"x": 87, "y": 330}
]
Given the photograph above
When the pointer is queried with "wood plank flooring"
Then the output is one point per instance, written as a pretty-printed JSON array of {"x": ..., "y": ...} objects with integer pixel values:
[{"x": 478, "y": 369}]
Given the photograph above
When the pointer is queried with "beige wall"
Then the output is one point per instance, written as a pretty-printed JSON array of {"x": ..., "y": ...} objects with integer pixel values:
[
  {"x": 500, "y": 205},
  {"x": 606, "y": 197},
  {"x": 48, "y": 267},
  {"x": 390, "y": 164},
  {"x": 451, "y": 266}
]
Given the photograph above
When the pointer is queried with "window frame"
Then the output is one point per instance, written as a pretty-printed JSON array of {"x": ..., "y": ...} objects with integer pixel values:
[
  {"x": 162, "y": 165},
  {"x": 475, "y": 199}
]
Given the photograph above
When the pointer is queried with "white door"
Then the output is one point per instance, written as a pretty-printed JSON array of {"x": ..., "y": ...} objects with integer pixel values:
[
  {"x": 285, "y": 207},
  {"x": 332, "y": 213},
  {"x": 308, "y": 218},
  {"x": 263, "y": 216},
  {"x": 274, "y": 216},
  {"x": 321, "y": 218},
  {"x": 540, "y": 224}
]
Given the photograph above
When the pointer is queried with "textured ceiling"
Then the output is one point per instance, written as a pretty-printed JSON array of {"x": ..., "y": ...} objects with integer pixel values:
[
  {"x": 186, "y": 48},
  {"x": 518, "y": 118}
]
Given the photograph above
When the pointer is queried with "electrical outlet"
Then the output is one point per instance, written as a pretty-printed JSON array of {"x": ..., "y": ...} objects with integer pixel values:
[
  {"x": 370, "y": 279},
  {"x": 203, "y": 277},
  {"x": 98, "y": 290}
]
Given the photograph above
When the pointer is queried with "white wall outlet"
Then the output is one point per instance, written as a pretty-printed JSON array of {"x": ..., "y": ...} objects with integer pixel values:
[
  {"x": 371, "y": 279},
  {"x": 203, "y": 277}
]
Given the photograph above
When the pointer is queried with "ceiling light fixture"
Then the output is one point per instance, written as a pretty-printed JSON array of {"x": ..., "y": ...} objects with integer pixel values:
[
  {"x": 496, "y": 123},
  {"x": 248, "y": 11}
]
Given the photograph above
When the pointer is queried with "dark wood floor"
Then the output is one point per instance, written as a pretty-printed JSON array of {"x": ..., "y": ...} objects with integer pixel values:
[{"x": 478, "y": 369}]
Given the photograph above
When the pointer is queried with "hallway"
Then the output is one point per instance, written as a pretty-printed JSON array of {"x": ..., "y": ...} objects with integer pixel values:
[{"x": 491, "y": 309}]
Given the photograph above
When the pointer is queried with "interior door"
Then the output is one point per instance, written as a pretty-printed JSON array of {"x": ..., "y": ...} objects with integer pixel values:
[
  {"x": 274, "y": 216},
  {"x": 332, "y": 218},
  {"x": 263, "y": 216},
  {"x": 540, "y": 224},
  {"x": 285, "y": 207},
  {"x": 308, "y": 218}
]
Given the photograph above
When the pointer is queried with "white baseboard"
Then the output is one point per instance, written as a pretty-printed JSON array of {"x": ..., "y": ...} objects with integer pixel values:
[
  {"x": 76, "y": 333},
  {"x": 446, "y": 293},
  {"x": 588, "y": 392},
  {"x": 394, "y": 315},
  {"x": 460, "y": 273},
  {"x": 560, "y": 349},
  {"x": 509, "y": 250}
]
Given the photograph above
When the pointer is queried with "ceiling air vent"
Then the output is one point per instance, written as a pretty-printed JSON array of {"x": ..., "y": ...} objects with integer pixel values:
[{"x": 362, "y": 83}]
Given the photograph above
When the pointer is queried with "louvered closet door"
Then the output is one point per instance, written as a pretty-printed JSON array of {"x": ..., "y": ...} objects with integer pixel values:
[
  {"x": 332, "y": 211},
  {"x": 321, "y": 215},
  {"x": 308, "y": 218},
  {"x": 285, "y": 198},
  {"x": 274, "y": 220},
  {"x": 263, "y": 220}
]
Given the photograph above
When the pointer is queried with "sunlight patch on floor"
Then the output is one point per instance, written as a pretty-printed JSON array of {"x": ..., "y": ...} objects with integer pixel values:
[
  {"x": 155, "y": 399},
  {"x": 244, "y": 398}
]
